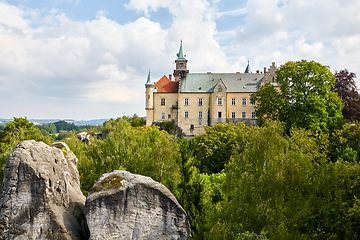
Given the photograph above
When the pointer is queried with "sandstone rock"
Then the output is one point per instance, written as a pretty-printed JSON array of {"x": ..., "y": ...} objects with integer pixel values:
[
  {"x": 41, "y": 197},
  {"x": 84, "y": 137},
  {"x": 122, "y": 205}
]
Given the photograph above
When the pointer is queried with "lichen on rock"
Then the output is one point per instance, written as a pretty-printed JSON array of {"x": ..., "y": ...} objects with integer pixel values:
[{"x": 110, "y": 182}]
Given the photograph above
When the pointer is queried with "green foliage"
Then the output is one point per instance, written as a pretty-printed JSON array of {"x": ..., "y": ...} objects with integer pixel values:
[
  {"x": 143, "y": 150},
  {"x": 135, "y": 120},
  {"x": 251, "y": 236},
  {"x": 56, "y": 127},
  {"x": 285, "y": 186},
  {"x": 62, "y": 135},
  {"x": 304, "y": 99},
  {"x": 345, "y": 143},
  {"x": 169, "y": 126},
  {"x": 214, "y": 148},
  {"x": 267, "y": 105},
  {"x": 235, "y": 182}
]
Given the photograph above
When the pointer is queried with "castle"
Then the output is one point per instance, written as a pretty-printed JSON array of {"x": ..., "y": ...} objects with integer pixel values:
[{"x": 197, "y": 100}]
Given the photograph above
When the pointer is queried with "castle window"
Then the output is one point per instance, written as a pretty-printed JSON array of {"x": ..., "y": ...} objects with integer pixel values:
[
  {"x": 219, "y": 114},
  {"x": 244, "y": 101},
  {"x": 253, "y": 115},
  {"x": 200, "y": 101},
  {"x": 219, "y": 101},
  {"x": 169, "y": 115},
  {"x": 186, "y": 114},
  {"x": 163, "y": 102},
  {"x": 186, "y": 102},
  {"x": 191, "y": 127},
  {"x": 200, "y": 114},
  {"x": 233, "y": 115},
  {"x": 253, "y": 103},
  {"x": 220, "y": 90},
  {"x": 243, "y": 114},
  {"x": 162, "y": 116},
  {"x": 233, "y": 101}
]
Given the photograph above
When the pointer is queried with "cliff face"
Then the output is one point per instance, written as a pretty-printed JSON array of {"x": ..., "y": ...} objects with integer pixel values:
[
  {"x": 41, "y": 197},
  {"x": 122, "y": 205}
]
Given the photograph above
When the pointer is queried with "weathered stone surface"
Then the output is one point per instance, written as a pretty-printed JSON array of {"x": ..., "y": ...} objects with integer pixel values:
[
  {"x": 41, "y": 197},
  {"x": 122, "y": 205}
]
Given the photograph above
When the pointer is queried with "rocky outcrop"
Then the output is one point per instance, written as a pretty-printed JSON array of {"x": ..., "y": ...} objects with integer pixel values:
[
  {"x": 84, "y": 137},
  {"x": 41, "y": 197},
  {"x": 122, "y": 205}
]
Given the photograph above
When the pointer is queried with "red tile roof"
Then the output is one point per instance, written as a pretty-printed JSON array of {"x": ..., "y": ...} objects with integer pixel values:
[{"x": 165, "y": 85}]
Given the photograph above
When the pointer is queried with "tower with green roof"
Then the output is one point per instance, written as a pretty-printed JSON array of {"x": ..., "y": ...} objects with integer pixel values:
[
  {"x": 149, "y": 92},
  {"x": 181, "y": 65}
]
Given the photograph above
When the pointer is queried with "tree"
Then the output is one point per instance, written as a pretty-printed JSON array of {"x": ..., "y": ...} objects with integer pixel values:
[
  {"x": 284, "y": 186},
  {"x": 345, "y": 87},
  {"x": 213, "y": 149},
  {"x": 135, "y": 120},
  {"x": 304, "y": 99}
]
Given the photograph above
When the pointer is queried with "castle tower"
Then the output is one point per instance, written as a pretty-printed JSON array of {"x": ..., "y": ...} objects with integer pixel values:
[
  {"x": 149, "y": 95},
  {"x": 181, "y": 65}
]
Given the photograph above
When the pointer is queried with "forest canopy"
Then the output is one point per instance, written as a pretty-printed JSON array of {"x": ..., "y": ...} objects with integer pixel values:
[{"x": 235, "y": 182}]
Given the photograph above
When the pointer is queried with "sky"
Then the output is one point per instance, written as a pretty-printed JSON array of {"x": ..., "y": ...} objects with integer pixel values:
[{"x": 89, "y": 59}]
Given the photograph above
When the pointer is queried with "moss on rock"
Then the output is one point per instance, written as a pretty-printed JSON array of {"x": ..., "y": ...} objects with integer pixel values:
[{"x": 110, "y": 182}]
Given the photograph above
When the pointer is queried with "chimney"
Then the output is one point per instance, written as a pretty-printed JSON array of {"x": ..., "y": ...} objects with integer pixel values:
[
  {"x": 257, "y": 71},
  {"x": 170, "y": 77},
  {"x": 264, "y": 70}
]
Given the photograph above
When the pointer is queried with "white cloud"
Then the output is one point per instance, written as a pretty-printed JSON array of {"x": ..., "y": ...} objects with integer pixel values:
[
  {"x": 309, "y": 50},
  {"x": 234, "y": 12},
  {"x": 323, "y": 30},
  {"x": 48, "y": 56}
]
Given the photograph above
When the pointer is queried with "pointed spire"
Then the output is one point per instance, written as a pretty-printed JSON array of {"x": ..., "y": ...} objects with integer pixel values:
[
  {"x": 248, "y": 70},
  {"x": 148, "y": 82},
  {"x": 180, "y": 55}
]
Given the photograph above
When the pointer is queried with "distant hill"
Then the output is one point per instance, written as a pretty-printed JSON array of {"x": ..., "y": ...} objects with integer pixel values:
[{"x": 92, "y": 122}]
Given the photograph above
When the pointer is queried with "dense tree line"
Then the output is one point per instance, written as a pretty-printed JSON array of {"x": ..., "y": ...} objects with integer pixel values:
[
  {"x": 59, "y": 129},
  {"x": 292, "y": 178}
]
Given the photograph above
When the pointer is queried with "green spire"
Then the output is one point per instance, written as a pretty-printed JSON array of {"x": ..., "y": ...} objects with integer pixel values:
[
  {"x": 180, "y": 55},
  {"x": 148, "y": 82},
  {"x": 248, "y": 70}
]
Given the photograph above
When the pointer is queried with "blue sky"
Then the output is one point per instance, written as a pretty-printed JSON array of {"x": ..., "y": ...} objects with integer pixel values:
[{"x": 90, "y": 59}]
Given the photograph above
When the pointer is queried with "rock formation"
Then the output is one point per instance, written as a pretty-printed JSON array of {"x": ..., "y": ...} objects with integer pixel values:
[
  {"x": 84, "y": 137},
  {"x": 41, "y": 197},
  {"x": 122, "y": 205}
]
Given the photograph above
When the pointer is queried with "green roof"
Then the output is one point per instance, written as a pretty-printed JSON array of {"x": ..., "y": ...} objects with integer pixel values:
[
  {"x": 234, "y": 82},
  {"x": 148, "y": 82},
  {"x": 180, "y": 55}
]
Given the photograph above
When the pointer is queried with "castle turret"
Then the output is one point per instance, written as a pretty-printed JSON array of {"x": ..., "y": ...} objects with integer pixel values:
[
  {"x": 248, "y": 69},
  {"x": 181, "y": 65},
  {"x": 149, "y": 95}
]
